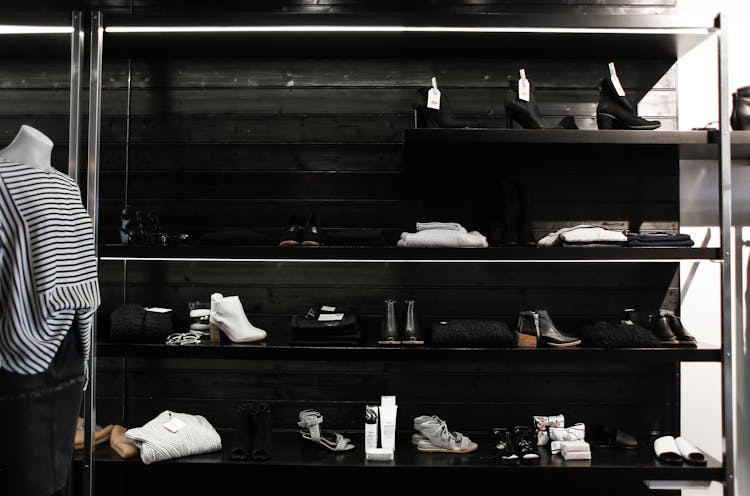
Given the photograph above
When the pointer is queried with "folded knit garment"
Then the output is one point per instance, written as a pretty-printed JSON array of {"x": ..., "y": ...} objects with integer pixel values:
[
  {"x": 467, "y": 332},
  {"x": 158, "y": 443},
  {"x": 556, "y": 447},
  {"x": 442, "y": 238},
  {"x": 135, "y": 323},
  {"x": 302, "y": 324},
  {"x": 604, "y": 334},
  {"x": 582, "y": 234},
  {"x": 577, "y": 455},
  {"x": 450, "y": 226},
  {"x": 659, "y": 237}
]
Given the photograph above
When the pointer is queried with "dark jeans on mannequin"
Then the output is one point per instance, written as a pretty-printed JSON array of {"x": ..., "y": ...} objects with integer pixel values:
[{"x": 38, "y": 415}]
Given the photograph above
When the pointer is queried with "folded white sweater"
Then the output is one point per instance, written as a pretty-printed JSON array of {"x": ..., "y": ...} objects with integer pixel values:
[
  {"x": 157, "y": 443},
  {"x": 582, "y": 234},
  {"x": 442, "y": 238},
  {"x": 453, "y": 226}
]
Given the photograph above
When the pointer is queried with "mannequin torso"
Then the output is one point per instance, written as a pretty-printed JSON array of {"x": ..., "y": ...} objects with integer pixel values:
[{"x": 30, "y": 147}]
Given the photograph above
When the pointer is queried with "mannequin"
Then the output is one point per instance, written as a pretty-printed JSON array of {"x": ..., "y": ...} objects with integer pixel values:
[
  {"x": 40, "y": 394},
  {"x": 31, "y": 147}
]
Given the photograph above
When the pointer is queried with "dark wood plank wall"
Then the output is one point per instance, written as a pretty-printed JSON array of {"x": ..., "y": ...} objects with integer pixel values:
[{"x": 239, "y": 140}]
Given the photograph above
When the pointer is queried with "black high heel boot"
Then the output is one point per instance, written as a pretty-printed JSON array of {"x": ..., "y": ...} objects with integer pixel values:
[
  {"x": 535, "y": 326},
  {"x": 243, "y": 434},
  {"x": 262, "y": 433},
  {"x": 526, "y": 114},
  {"x": 429, "y": 117},
  {"x": 740, "y": 118},
  {"x": 411, "y": 328},
  {"x": 525, "y": 443},
  {"x": 616, "y": 112},
  {"x": 389, "y": 327}
]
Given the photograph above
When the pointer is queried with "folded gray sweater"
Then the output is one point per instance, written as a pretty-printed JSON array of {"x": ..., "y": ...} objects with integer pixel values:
[
  {"x": 158, "y": 443},
  {"x": 442, "y": 238}
]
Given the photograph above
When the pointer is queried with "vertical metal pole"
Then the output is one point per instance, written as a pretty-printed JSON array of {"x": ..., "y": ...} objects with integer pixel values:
[
  {"x": 76, "y": 61},
  {"x": 92, "y": 204},
  {"x": 727, "y": 271}
]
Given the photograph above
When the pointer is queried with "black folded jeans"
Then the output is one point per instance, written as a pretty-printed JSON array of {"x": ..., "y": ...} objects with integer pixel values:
[{"x": 38, "y": 416}]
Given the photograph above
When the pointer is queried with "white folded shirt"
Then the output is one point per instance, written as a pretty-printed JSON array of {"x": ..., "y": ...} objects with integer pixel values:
[{"x": 578, "y": 455}]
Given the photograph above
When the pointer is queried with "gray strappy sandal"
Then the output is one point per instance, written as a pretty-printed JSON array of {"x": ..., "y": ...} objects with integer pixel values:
[{"x": 311, "y": 420}]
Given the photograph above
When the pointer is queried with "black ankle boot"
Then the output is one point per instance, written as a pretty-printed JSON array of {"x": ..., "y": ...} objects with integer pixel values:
[
  {"x": 411, "y": 328},
  {"x": 616, "y": 112},
  {"x": 311, "y": 234},
  {"x": 389, "y": 327},
  {"x": 526, "y": 114},
  {"x": 525, "y": 444},
  {"x": 509, "y": 224},
  {"x": 243, "y": 431},
  {"x": 679, "y": 331},
  {"x": 429, "y": 117},
  {"x": 659, "y": 326},
  {"x": 504, "y": 446},
  {"x": 535, "y": 326},
  {"x": 740, "y": 118},
  {"x": 262, "y": 433}
]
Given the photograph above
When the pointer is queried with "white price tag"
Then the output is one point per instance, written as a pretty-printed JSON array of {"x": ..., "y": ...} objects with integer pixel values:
[
  {"x": 433, "y": 96},
  {"x": 524, "y": 87},
  {"x": 615, "y": 80},
  {"x": 159, "y": 310},
  {"x": 174, "y": 425},
  {"x": 327, "y": 317},
  {"x": 327, "y": 309}
]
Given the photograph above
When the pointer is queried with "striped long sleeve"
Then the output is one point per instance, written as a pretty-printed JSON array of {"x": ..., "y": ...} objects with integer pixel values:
[{"x": 48, "y": 267}]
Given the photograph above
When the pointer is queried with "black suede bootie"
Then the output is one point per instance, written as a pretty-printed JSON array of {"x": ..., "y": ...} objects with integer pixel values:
[
  {"x": 616, "y": 112},
  {"x": 526, "y": 114},
  {"x": 430, "y": 117},
  {"x": 740, "y": 118}
]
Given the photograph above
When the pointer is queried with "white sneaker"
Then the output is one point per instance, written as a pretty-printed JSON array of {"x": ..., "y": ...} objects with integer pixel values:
[{"x": 228, "y": 316}]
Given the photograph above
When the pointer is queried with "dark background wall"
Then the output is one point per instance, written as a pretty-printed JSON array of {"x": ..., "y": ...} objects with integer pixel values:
[{"x": 216, "y": 134}]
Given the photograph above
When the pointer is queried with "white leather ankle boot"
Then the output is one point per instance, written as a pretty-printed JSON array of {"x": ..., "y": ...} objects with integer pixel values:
[{"x": 228, "y": 316}]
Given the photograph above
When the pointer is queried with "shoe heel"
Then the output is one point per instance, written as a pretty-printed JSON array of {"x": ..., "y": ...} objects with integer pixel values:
[
  {"x": 215, "y": 332},
  {"x": 525, "y": 340},
  {"x": 605, "y": 121},
  {"x": 508, "y": 121}
]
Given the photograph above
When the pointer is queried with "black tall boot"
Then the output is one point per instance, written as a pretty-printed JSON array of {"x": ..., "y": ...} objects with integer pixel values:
[
  {"x": 740, "y": 118},
  {"x": 262, "y": 433},
  {"x": 509, "y": 225},
  {"x": 389, "y": 327},
  {"x": 526, "y": 114},
  {"x": 616, "y": 112},
  {"x": 243, "y": 431},
  {"x": 429, "y": 117},
  {"x": 411, "y": 327}
]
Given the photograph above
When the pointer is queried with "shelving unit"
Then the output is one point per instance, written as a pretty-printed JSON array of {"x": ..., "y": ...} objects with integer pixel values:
[{"x": 657, "y": 36}]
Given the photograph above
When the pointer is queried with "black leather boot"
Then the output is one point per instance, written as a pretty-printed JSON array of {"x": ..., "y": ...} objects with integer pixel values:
[
  {"x": 504, "y": 446},
  {"x": 526, "y": 114},
  {"x": 389, "y": 327},
  {"x": 675, "y": 324},
  {"x": 525, "y": 444},
  {"x": 311, "y": 234},
  {"x": 411, "y": 328},
  {"x": 535, "y": 326},
  {"x": 616, "y": 112},
  {"x": 262, "y": 433},
  {"x": 429, "y": 117},
  {"x": 659, "y": 326},
  {"x": 510, "y": 206},
  {"x": 243, "y": 431},
  {"x": 292, "y": 234},
  {"x": 740, "y": 118}
]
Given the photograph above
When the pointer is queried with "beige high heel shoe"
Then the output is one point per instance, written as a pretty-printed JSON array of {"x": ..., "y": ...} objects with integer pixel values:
[{"x": 228, "y": 316}]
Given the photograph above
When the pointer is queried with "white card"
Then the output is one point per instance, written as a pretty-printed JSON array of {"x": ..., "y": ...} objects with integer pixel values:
[
  {"x": 174, "y": 425},
  {"x": 160, "y": 310},
  {"x": 327, "y": 309},
  {"x": 524, "y": 90},
  {"x": 433, "y": 96},
  {"x": 615, "y": 80},
  {"x": 326, "y": 317}
]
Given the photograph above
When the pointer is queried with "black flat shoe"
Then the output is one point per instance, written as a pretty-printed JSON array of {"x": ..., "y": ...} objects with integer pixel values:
[
  {"x": 504, "y": 449},
  {"x": 616, "y": 112},
  {"x": 311, "y": 233},
  {"x": 292, "y": 234}
]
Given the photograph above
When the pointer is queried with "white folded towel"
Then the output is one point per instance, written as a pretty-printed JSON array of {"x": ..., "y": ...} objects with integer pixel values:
[
  {"x": 442, "y": 238},
  {"x": 452, "y": 226},
  {"x": 158, "y": 443}
]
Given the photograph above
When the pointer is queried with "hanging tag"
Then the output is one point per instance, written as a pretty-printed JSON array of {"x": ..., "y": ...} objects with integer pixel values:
[
  {"x": 174, "y": 425},
  {"x": 325, "y": 308},
  {"x": 161, "y": 310},
  {"x": 330, "y": 317},
  {"x": 433, "y": 96},
  {"x": 615, "y": 80},
  {"x": 524, "y": 88}
]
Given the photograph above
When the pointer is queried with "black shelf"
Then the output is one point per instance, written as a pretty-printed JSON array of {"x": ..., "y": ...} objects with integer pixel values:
[
  {"x": 276, "y": 347},
  {"x": 395, "y": 254},
  {"x": 291, "y": 454}
]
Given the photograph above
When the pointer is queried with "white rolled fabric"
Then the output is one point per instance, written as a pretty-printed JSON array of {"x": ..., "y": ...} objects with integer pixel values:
[{"x": 157, "y": 443}]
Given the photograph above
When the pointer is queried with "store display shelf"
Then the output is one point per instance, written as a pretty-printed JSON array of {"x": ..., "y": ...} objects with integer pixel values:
[
  {"x": 395, "y": 254},
  {"x": 291, "y": 453},
  {"x": 277, "y": 347}
]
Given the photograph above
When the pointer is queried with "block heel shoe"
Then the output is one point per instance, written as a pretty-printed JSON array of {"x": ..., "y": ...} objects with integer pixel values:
[
  {"x": 616, "y": 112},
  {"x": 228, "y": 317},
  {"x": 535, "y": 327}
]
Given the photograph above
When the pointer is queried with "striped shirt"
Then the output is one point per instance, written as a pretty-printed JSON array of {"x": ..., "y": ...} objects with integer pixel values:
[{"x": 48, "y": 267}]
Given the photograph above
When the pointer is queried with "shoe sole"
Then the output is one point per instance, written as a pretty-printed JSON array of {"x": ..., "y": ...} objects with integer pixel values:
[
  {"x": 412, "y": 342},
  {"x": 310, "y": 243},
  {"x": 564, "y": 345},
  {"x": 670, "y": 343},
  {"x": 389, "y": 342},
  {"x": 527, "y": 341},
  {"x": 442, "y": 450},
  {"x": 289, "y": 243},
  {"x": 216, "y": 330}
]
